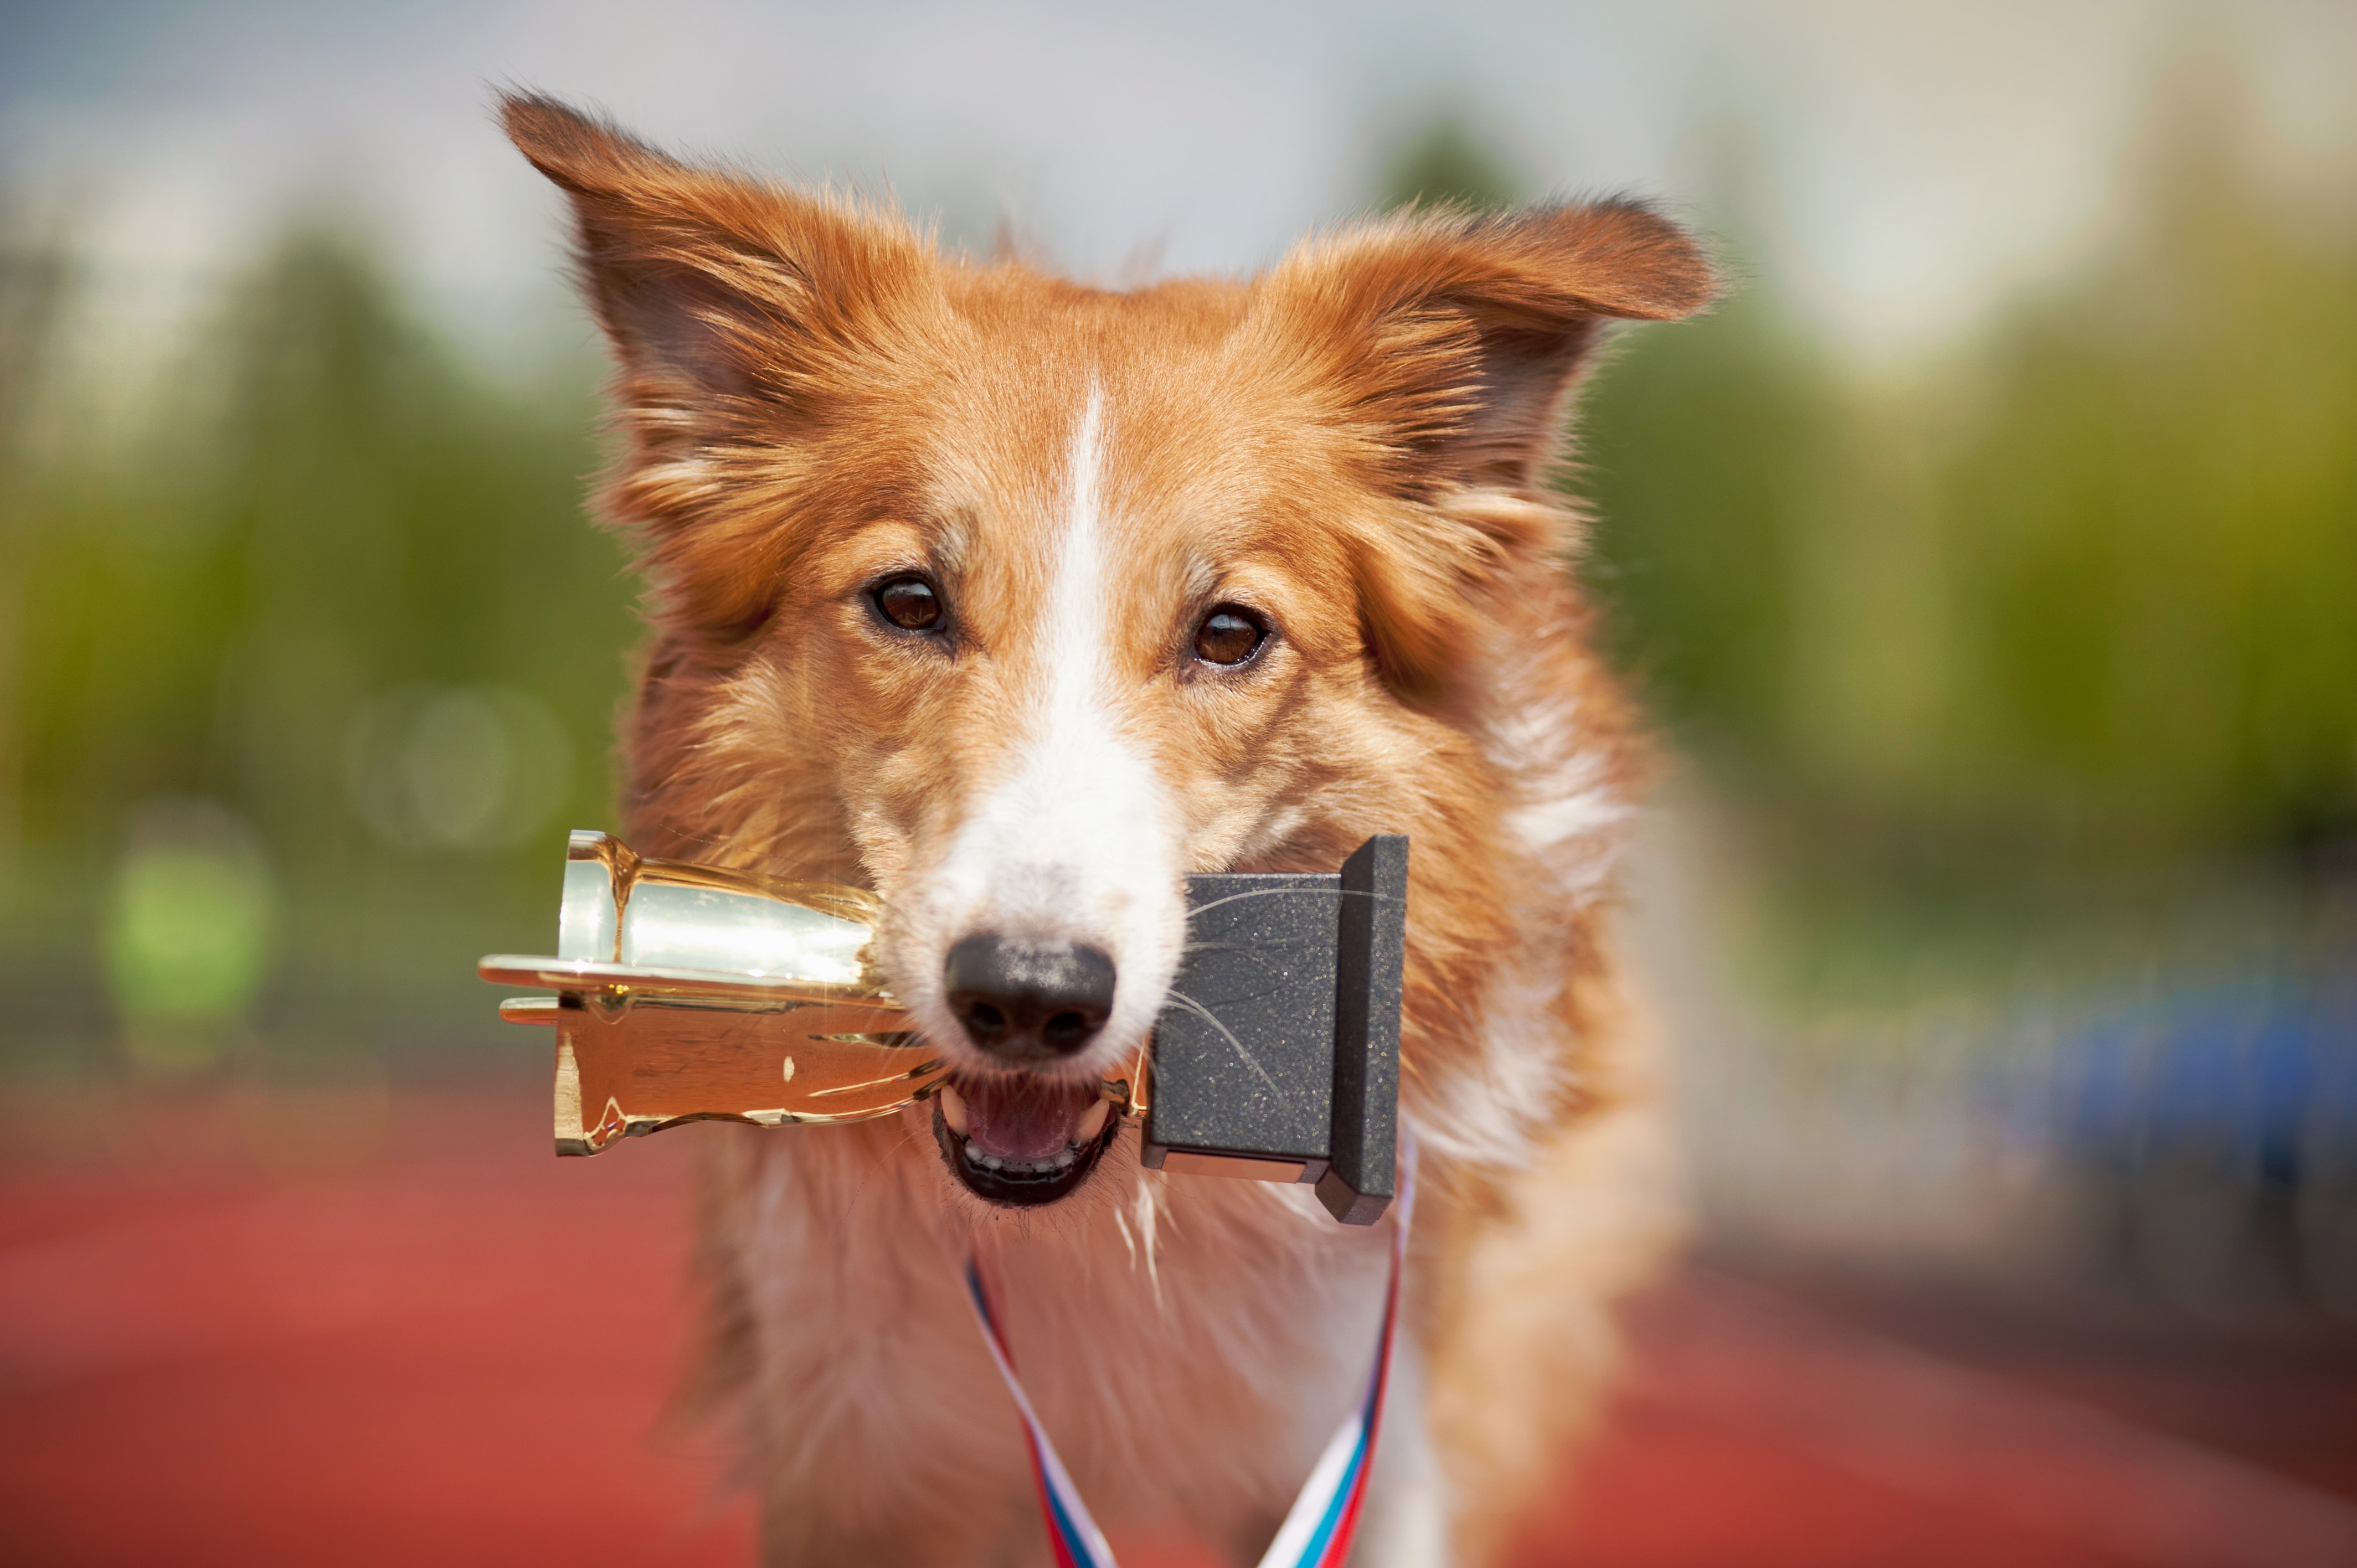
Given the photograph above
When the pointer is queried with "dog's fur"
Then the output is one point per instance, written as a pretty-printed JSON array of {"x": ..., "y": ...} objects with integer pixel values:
[{"x": 1355, "y": 445}]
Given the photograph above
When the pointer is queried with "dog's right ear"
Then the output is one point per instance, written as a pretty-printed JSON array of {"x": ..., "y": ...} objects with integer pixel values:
[
  {"x": 740, "y": 310},
  {"x": 713, "y": 283}
]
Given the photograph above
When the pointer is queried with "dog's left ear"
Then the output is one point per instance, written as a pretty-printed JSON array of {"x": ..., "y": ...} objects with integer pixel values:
[
  {"x": 1439, "y": 350},
  {"x": 1454, "y": 340}
]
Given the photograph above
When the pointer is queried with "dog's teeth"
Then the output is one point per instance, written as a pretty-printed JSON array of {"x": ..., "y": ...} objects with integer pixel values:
[
  {"x": 953, "y": 1109},
  {"x": 1092, "y": 1121}
]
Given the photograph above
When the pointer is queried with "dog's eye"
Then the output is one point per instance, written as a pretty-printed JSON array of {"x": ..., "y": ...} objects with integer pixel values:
[
  {"x": 1229, "y": 635},
  {"x": 908, "y": 602}
]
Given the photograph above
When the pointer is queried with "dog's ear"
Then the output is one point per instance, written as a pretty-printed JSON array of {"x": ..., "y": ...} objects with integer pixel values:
[
  {"x": 741, "y": 312},
  {"x": 1442, "y": 347},
  {"x": 1454, "y": 340},
  {"x": 713, "y": 283}
]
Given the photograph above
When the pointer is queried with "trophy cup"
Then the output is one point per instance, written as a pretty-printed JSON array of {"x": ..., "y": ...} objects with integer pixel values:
[{"x": 685, "y": 992}]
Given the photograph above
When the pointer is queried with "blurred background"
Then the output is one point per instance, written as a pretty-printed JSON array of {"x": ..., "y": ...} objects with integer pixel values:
[{"x": 1988, "y": 559}]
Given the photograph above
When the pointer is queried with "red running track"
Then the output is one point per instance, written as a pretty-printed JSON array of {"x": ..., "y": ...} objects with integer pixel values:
[{"x": 255, "y": 1331}]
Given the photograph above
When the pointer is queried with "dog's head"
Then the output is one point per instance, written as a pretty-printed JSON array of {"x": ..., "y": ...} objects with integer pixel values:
[{"x": 1022, "y": 599}]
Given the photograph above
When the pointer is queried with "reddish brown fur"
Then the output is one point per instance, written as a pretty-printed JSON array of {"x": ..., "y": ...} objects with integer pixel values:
[{"x": 812, "y": 396}]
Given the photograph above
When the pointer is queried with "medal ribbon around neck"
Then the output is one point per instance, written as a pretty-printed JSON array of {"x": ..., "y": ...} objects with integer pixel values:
[{"x": 1319, "y": 1529}]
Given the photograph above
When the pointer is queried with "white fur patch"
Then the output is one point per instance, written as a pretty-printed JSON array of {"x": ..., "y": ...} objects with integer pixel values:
[
  {"x": 1566, "y": 816},
  {"x": 1077, "y": 841},
  {"x": 1569, "y": 820},
  {"x": 1496, "y": 1112}
]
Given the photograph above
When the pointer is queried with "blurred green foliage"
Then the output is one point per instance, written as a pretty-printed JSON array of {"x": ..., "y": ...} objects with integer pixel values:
[
  {"x": 2075, "y": 604},
  {"x": 2085, "y": 589},
  {"x": 1444, "y": 161},
  {"x": 318, "y": 504},
  {"x": 190, "y": 935},
  {"x": 1704, "y": 456},
  {"x": 2150, "y": 523}
]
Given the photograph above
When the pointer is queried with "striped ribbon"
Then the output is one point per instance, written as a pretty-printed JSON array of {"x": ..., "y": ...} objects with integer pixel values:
[{"x": 1317, "y": 1530}]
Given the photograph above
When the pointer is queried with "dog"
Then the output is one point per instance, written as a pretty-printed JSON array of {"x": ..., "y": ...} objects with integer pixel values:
[{"x": 1018, "y": 600}]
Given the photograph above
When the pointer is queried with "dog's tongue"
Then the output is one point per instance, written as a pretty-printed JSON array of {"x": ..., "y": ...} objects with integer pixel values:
[{"x": 1024, "y": 1119}]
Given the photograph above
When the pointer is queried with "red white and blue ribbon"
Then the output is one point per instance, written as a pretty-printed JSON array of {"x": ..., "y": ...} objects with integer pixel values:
[
  {"x": 1078, "y": 1543},
  {"x": 1319, "y": 1529}
]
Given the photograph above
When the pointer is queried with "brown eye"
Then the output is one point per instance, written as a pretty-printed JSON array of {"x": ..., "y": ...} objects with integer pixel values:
[
  {"x": 1229, "y": 635},
  {"x": 908, "y": 602}
]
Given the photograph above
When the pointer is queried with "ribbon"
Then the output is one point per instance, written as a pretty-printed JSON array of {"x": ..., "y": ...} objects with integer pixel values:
[{"x": 1318, "y": 1527}]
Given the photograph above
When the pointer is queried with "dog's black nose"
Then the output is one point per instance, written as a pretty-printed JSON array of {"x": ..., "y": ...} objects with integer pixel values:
[{"x": 1028, "y": 1001}]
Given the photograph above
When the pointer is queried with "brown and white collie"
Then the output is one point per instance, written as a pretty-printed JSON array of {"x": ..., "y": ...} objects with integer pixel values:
[{"x": 1018, "y": 600}]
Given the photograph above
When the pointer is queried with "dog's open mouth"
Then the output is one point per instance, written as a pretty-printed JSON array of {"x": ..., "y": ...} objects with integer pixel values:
[{"x": 1015, "y": 1139}]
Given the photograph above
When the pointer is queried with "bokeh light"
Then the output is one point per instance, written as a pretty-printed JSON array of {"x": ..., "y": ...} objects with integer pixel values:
[{"x": 192, "y": 923}]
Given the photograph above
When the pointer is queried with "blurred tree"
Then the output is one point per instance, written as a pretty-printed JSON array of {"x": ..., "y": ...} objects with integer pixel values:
[
  {"x": 2151, "y": 523},
  {"x": 1444, "y": 162},
  {"x": 33, "y": 283},
  {"x": 325, "y": 505},
  {"x": 2090, "y": 588},
  {"x": 1703, "y": 454}
]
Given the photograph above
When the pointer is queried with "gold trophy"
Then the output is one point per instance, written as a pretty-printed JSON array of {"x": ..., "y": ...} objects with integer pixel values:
[{"x": 686, "y": 992}]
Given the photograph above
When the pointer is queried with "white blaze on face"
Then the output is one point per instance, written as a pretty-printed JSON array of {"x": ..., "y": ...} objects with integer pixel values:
[{"x": 1074, "y": 841}]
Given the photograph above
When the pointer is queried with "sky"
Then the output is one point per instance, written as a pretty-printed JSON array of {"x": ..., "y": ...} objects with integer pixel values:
[{"x": 1897, "y": 166}]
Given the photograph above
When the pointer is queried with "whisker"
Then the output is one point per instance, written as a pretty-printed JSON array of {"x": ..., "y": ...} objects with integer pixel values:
[
  {"x": 1128, "y": 1243},
  {"x": 1205, "y": 1013},
  {"x": 1292, "y": 891},
  {"x": 1277, "y": 944}
]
